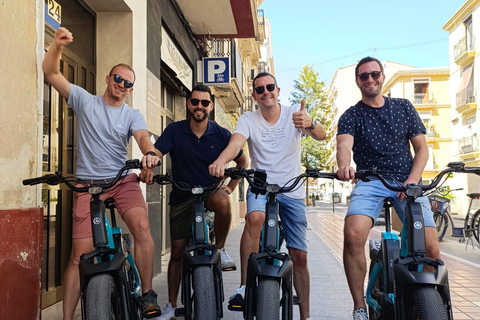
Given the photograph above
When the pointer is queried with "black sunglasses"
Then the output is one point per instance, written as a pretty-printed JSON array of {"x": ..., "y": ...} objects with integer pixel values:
[
  {"x": 270, "y": 88},
  {"x": 126, "y": 83},
  {"x": 205, "y": 103},
  {"x": 364, "y": 76}
]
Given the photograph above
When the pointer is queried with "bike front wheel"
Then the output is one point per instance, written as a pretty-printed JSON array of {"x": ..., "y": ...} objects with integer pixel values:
[
  {"x": 204, "y": 294},
  {"x": 102, "y": 299},
  {"x": 426, "y": 304},
  {"x": 441, "y": 224},
  {"x": 268, "y": 299}
]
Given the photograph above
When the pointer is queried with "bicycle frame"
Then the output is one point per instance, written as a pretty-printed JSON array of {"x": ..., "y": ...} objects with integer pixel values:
[
  {"x": 269, "y": 262},
  {"x": 111, "y": 255},
  {"x": 399, "y": 269},
  {"x": 201, "y": 252}
]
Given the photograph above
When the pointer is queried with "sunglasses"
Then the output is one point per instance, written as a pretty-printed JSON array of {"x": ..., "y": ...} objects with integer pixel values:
[
  {"x": 118, "y": 79},
  {"x": 205, "y": 103},
  {"x": 270, "y": 88},
  {"x": 364, "y": 76}
]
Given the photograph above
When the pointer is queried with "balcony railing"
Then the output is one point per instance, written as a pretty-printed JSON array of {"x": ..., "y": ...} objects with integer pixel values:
[
  {"x": 225, "y": 47},
  {"x": 466, "y": 96},
  {"x": 463, "y": 46},
  {"x": 468, "y": 144},
  {"x": 261, "y": 17},
  {"x": 419, "y": 98}
]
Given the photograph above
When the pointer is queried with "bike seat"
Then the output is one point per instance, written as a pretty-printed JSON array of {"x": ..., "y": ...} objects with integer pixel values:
[{"x": 474, "y": 195}]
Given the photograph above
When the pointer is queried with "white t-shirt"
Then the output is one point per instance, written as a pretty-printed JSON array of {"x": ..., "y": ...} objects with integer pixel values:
[{"x": 274, "y": 148}]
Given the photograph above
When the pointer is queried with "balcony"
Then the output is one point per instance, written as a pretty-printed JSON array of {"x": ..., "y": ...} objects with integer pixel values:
[
  {"x": 468, "y": 147},
  {"x": 466, "y": 100},
  {"x": 423, "y": 98},
  {"x": 464, "y": 51}
]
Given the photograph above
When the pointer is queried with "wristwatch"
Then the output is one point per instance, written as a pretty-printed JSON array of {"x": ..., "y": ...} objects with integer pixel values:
[{"x": 313, "y": 125}]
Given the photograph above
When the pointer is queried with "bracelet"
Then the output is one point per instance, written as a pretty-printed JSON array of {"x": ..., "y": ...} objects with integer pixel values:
[{"x": 152, "y": 153}]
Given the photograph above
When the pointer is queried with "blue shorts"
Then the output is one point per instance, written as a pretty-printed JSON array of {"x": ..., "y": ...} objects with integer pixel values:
[
  {"x": 368, "y": 197},
  {"x": 293, "y": 214}
]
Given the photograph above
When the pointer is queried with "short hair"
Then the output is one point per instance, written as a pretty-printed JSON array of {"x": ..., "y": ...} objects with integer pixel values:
[
  {"x": 124, "y": 65},
  {"x": 263, "y": 74},
  {"x": 365, "y": 60},
  {"x": 202, "y": 88}
]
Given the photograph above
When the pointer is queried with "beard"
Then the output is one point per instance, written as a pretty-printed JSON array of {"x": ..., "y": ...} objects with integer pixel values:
[
  {"x": 370, "y": 93},
  {"x": 200, "y": 118}
]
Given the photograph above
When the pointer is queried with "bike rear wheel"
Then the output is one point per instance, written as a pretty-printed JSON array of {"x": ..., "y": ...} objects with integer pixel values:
[
  {"x": 204, "y": 294},
  {"x": 102, "y": 299},
  {"x": 425, "y": 304},
  {"x": 476, "y": 225},
  {"x": 268, "y": 299},
  {"x": 441, "y": 224}
]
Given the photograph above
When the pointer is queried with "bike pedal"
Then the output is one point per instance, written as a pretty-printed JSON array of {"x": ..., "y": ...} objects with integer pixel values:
[
  {"x": 296, "y": 300},
  {"x": 235, "y": 307},
  {"x": 230, "y": 268},
  {"x": 152, "y": 314},
  {"x": 237, "y": 303},
  {"x": 179, "y": 312}
]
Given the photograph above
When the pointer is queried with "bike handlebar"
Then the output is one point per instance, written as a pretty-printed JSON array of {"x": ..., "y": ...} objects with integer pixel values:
[
  {"x": 259, "y": 180},
  {"x": 415, "y": 190},
  {"x": 57, "y": 178},
  {"x": 164, "y": 179}
]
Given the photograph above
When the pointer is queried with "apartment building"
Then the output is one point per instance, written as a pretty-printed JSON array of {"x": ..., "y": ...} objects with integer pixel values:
[
  {"x": 165, "y": 42},
  {"x": 463, "y": 27}
]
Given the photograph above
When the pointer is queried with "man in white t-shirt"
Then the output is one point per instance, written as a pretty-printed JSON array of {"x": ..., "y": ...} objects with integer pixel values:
[{"x": 273, "y": 133}]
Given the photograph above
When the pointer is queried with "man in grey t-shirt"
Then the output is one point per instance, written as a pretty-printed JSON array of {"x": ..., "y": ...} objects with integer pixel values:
[{"x": 105, "y": 125}]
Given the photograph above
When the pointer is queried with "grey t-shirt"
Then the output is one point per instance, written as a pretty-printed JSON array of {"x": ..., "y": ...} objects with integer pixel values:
[{"x": 103, "y": 133}]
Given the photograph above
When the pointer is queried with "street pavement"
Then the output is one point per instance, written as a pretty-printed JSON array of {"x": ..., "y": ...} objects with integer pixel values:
[{"x": 330, "y": 297}]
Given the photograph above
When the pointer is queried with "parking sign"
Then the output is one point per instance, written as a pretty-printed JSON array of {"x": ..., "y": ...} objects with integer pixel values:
[{"x": 216, "y": 70}]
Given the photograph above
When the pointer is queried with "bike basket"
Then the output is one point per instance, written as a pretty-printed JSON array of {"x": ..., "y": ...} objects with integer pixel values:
[{"x": 438, "y": 203}]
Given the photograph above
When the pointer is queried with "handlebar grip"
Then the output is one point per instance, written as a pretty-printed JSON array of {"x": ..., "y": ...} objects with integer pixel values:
[{"x": 33, "y": 181}]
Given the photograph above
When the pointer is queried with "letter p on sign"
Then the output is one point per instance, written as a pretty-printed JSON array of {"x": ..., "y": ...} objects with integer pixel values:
[{"x": 216, "y": 70}]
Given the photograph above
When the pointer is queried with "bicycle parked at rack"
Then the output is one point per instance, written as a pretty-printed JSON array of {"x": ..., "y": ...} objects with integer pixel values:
[
  {"x": 201, "y": 263},
  {"x": 440, "y": 204},
  {"x": 398, "y": 287},
  {"x": 269, "y": 269},
  {"x": 109, "y": 280}
]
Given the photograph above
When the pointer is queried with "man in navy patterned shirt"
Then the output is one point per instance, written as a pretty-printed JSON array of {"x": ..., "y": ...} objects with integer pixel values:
[{"x": 379, "y": 131}]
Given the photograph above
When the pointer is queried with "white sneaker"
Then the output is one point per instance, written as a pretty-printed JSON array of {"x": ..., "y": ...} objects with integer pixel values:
[
  {"x": 360, "y": 314},
  {"x": 167, "y": 313},
  {"x": 227, "y": 262}
]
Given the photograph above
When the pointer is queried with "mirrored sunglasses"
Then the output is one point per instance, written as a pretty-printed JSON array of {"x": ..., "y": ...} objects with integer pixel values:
[
  {"x": 270, "y": 87},
  {"x": 126, "y": 83},
  {"x": 375, "y": 75},
  {"x": 205, "y": 103}
]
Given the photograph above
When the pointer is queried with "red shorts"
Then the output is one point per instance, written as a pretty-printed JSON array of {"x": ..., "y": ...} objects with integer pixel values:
[{"x": 126, "y": 193}]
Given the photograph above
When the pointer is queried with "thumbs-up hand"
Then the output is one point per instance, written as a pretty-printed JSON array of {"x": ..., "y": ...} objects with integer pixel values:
[{"x": 301, "y": 120}]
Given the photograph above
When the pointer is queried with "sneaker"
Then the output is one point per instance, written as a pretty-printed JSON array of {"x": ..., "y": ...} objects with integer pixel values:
[
  {"x": 150, "y": 308},
  {"x": 237, "y": 300},
  {"x": 167, "y": 313},
  {"x": 227, "y": 263},
  {"x": 360, "y": 314}
]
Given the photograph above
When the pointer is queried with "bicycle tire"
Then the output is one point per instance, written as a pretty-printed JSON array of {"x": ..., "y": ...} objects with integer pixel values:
[
  {"x": 476, "y": 225},
  {"x": 441, "y": 224},
  {"x": 425, "y": 304},
  {"x": 204, "y": 294},
  {"x": 102, "y": 299},
  {"x": 268, "y": 299}
]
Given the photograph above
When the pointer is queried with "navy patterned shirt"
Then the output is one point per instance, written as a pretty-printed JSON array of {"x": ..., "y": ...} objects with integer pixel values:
[{"x": 382, "y": 135}]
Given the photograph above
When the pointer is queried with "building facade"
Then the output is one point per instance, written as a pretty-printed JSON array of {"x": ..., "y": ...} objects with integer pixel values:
[{"x": 163, "y": 41}]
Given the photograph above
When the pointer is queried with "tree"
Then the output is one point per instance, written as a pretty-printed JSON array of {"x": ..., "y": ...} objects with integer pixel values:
[
  {"x": 309, "y": 88},
  {"x": 315, "y": 154}
]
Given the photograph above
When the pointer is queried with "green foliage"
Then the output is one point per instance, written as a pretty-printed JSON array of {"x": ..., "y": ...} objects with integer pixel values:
[{"x": 310, "y": 88}]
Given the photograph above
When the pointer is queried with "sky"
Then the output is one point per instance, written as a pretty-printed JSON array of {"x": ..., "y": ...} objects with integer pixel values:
[{"x": 336, "y": 33}]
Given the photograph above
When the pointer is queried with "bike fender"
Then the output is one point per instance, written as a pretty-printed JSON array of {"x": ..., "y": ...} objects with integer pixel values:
[
  {"x": 190, "y": 258},
  {"x": 405, "y": 277},
  {"x": 257, "y": 268}
]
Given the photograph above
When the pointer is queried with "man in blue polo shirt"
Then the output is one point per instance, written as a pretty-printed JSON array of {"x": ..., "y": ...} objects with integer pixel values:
[{"x": 193, "y": 145}]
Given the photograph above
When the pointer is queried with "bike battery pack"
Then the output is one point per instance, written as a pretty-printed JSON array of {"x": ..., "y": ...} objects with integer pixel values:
[
  {"x": 99, "y": 231},
  {"x": 416, "y": 228}
]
